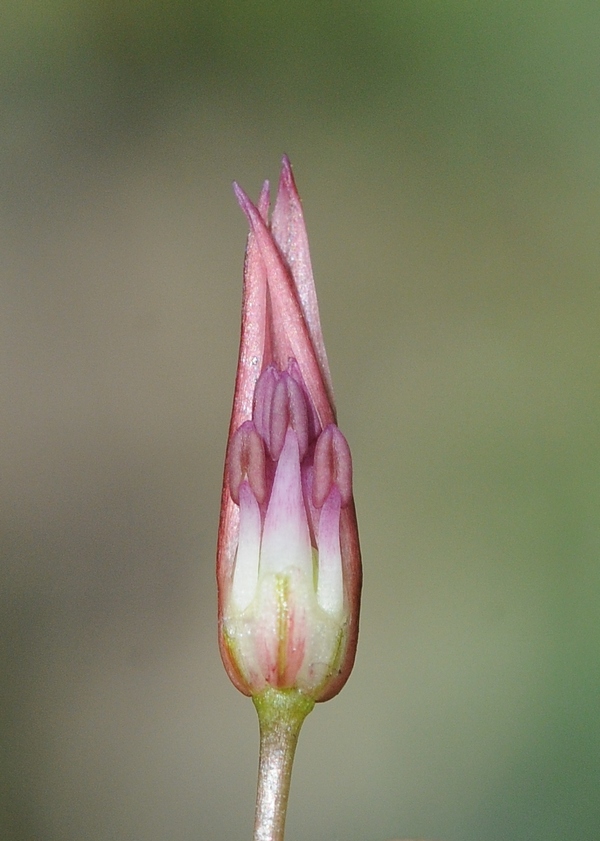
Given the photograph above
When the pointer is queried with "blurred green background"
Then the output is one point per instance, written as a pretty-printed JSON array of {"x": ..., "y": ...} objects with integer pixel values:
[{"x": 448, "y": 157}]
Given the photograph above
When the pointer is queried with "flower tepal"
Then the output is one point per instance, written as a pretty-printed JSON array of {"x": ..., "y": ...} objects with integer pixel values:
[{"x": 288, "y": 566}]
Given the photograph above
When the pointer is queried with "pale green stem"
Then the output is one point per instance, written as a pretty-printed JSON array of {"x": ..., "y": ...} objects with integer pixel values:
[{"x": 280, "y": 715}]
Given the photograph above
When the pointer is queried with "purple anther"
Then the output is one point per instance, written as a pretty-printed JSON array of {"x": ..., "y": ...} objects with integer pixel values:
[
  {"x": 280, "y": 418},
  {"x": 313, "y": 425},
  {"x": 263, "y": 401},
  {"x": 279, "y": 404},
  {"x": 298, "y": 414},
  {"x": 332, "y": 465},
  {"x": 246, "y": 460}
]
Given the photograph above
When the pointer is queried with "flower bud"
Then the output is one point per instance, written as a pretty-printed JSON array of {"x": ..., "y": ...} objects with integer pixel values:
[{"x": 288, "y": 565}]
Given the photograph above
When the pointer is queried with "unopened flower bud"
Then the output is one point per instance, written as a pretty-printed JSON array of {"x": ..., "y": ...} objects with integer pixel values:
[{"x": 288, "y": 563}]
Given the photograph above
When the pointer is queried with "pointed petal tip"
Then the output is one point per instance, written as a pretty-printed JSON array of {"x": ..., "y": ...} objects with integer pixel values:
[
  {"x": 240, "y": 195},
  {"x": 252, "y": 213},
  {"x": 286, "y": 164},
  {"x": 247, "y": 205},
  {"x": 264, "y": 201},
  {"x": 286, "y": 177}
]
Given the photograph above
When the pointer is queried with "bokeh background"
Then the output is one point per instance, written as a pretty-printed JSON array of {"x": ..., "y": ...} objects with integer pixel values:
[{"x": 448, "y": 158}]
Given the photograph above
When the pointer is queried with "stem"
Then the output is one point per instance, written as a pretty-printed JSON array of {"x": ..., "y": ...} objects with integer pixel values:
[{"x": 281, "y": 713}]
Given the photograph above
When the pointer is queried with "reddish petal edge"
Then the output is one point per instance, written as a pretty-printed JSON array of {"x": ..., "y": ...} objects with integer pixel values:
[
  {"x": 289, "y": 232},
  {"x": 352, "y": 567},
  {"x": 254, "y": 342}
]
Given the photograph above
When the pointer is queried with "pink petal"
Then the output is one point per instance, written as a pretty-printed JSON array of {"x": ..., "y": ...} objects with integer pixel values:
[
  {"x": 330, "y": 585},
  {"x": 245, "y": 574},
  {"x": 286, "y": 539},
  {"x": 289, "y": 232},
  {"x": 291, "y": 338}
]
